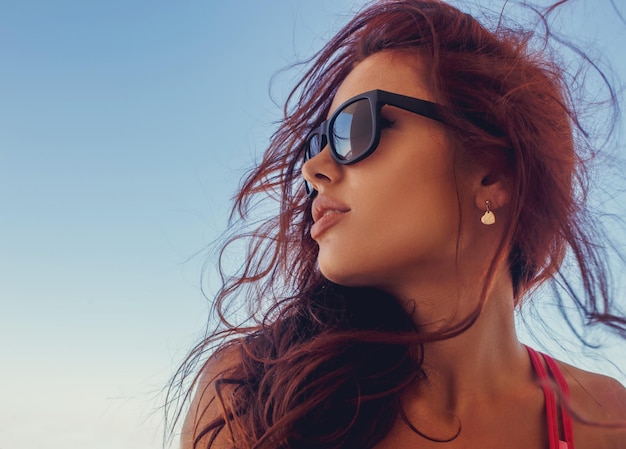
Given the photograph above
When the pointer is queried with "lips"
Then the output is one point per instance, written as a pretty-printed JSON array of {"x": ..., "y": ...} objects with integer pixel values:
[{"x": 326, "y": 212}]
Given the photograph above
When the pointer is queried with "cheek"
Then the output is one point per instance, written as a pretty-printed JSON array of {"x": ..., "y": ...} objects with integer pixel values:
[
  {"x": 393, "y": 233},
  {"x": 414, "y": 201},
  {"x": 404, "y": 217},
  {"x": 416, "y": 224}
]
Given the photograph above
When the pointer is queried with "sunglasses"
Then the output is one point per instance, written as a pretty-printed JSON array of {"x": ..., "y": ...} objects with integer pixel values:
[{"x": 353, "y": 131}]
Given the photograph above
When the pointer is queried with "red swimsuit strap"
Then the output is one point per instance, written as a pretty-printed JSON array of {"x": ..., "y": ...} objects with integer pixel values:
[
  {"x": 566, "y": 419},
  {"x": 553, "y": 427},
  {"x": 548, "y": 391}
]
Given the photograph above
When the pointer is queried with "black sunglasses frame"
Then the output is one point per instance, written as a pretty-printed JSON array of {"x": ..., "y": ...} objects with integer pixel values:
[{"x": 377, "y": 99}]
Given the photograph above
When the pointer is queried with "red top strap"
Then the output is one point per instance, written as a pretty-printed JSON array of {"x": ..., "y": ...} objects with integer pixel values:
[
  {"x": 550, "y": 398},
  {"x": 566, "y": 419}
]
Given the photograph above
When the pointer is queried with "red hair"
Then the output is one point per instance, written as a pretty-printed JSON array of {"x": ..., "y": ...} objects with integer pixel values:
[{"x": 318, "y": 368}]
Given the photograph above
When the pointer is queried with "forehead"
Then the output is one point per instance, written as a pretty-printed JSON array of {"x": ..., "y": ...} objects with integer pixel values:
[{"x": 391, "y": 70}]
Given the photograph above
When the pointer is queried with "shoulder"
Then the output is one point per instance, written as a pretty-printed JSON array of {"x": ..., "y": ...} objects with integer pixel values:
[
  {"x": 208, "y": 404},
  {"x": 600, "y": 405},
  {"x": 601, "y": 394}
]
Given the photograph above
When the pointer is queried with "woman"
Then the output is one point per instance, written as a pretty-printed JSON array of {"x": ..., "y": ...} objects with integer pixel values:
[{"x": 442, "y": 175}]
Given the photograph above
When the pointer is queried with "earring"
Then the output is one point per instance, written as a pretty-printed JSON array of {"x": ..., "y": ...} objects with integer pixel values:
[{"x": 488, "y": 217}]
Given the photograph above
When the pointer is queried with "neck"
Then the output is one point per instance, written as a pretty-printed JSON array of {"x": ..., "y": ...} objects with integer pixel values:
[{"x": 481, "y": 362}]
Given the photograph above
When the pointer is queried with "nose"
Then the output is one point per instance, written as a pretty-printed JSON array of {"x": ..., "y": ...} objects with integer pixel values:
[{"x": 321, "y": 171}]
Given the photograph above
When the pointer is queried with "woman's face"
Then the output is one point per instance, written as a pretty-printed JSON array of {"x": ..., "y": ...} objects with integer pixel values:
[{"x": 394, "y": 216}]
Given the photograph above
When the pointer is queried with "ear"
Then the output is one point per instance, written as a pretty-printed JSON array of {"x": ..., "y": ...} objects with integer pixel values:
[{"x": 493, "y": 187}]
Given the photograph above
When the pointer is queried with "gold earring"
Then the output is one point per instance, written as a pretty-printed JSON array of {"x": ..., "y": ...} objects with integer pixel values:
[{"x": 488, "y": 217}]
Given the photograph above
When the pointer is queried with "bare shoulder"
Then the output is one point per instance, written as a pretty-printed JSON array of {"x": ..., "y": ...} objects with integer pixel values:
[
  {"x": 600, "y": 403},
  {"x": 601, "y": 394},
  {"x": 206, "y": 407}
]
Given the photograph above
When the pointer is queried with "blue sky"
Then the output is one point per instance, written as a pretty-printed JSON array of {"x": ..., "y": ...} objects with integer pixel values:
[{"x": 125, "y": 127}]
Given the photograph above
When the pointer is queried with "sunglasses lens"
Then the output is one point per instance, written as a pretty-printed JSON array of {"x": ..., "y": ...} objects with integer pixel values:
[
  {"x": 314, "y": 146},
  {"x": 352, "y": 132},
  {"x": 312, "y": 149}
]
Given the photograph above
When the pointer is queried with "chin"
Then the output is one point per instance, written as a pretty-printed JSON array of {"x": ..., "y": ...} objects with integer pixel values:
[{"x": 347, "y": 278}]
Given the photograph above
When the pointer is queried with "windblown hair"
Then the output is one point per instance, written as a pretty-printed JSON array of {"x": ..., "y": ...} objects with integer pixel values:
[{"x": 324, "y": 365}]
